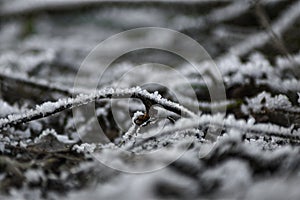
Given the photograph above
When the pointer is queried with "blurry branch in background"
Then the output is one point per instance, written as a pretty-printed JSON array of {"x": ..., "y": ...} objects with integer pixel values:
[
  {"x": 276, "y": 38},
  {"x": 281, "y": 24},
  {"x": 33, "y": 82},
  {"x": 231, "y": 11},
  {"x": 264, "y": 20},
  {"x": 218, "y": 15},
  {"x": 28, "y": 7}
]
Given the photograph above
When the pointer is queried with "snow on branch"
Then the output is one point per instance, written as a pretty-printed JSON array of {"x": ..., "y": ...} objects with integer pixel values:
[{"x": 50, "y": 108}]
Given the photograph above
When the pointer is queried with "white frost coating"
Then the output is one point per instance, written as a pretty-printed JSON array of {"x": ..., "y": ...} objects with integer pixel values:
[
  {"x": 129, "y": 137},
  {"x": 260, "y": 128},
  {"x": 36, "y": 126},
  {"x": 181, "y": 124},
  {"x": 101, "y": 111},
  {"x": 233, "y": 175},
  {"x": 136, "y": 115},
  {"x": 49, "y": 108},
  {"x": 84, "y": 148},
  {"x": 26, "y": 62},
  {"x": 241, "y": 125},
  {"x": 282, "y": 85},
  {"x": 34, "y": 176},
  {"x": 257, "y": 67},
  {"x": 62, "y": 138},
  {"x": 230, "y": 63},
  {"x": 140, "y": 186},
  {"x": 7, "y": 109},
  {"x": 265, "y": 99},
  {"x": 274, "y": 188},
  {"x": 22, "y": 144},
  {"x": 229, "y": 122},
  {"x": 285, "y": 63},
  {"x": 251, "y": 121}
]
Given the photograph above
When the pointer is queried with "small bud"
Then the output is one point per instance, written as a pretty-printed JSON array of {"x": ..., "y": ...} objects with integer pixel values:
[{"x": 141, "y": 119}]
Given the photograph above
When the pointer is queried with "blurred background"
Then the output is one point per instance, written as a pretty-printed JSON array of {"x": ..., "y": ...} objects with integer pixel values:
[{"x": 254, "y": 43}]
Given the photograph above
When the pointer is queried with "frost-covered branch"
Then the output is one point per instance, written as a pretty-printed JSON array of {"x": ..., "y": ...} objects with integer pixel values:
[{"x": 50, "y": 108}]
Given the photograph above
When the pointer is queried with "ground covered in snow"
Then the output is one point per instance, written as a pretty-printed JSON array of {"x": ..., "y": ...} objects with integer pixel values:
[{"x": 156, "y": 141}]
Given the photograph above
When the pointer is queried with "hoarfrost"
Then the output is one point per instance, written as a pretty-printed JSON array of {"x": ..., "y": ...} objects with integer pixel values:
[
  {"x": 265, "y": 99},
  {"x": 62, "y": 138},
  {"x": 84, "y": 148}
]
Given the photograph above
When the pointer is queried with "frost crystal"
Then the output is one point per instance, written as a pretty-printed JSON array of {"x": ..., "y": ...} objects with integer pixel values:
[
  {"x": 84, "y": 148},
  {"x": 62, "y": 138},
  {"x": 264, "y": 99}
]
